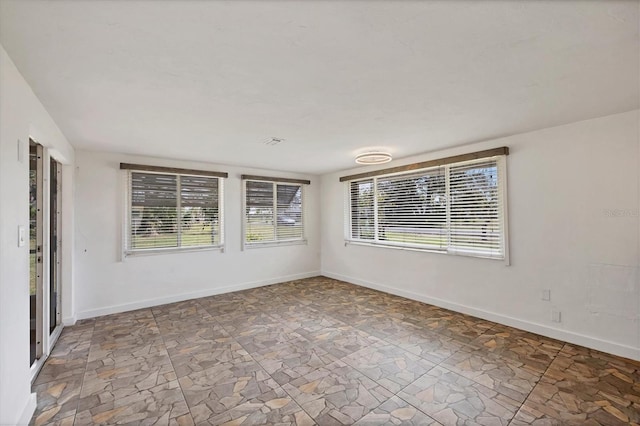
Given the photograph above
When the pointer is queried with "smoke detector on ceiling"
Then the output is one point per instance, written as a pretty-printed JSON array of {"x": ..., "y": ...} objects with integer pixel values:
[{"x": 273, "y": 141}]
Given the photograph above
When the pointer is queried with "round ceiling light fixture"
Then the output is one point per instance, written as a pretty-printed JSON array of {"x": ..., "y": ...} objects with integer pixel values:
[{"x": 376, "y": 157}]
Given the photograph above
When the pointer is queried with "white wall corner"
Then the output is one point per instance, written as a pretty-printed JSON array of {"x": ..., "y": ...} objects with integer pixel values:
[{"x": 29, "y": 409}]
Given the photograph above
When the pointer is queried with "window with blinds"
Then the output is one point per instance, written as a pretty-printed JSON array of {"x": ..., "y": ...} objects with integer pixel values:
[
  {"x": 362, "y": 218},
  {"x": 273, "y": 212},
  {"x": 456, "y": 208},
  {"x": 476, "y": 209},
  {"x": 173, "y": 211}
]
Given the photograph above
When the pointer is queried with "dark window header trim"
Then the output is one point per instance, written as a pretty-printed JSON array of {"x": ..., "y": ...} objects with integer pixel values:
[
  {"x": 276, "y": 179},
  {"x": 173, "y": 170}
]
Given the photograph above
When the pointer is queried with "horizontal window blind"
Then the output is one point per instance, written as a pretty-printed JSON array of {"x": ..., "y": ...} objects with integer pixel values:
[
  {"x": 273, "y": 212},
  {"x": 200, "y": 217},
  {"x": 362, "y": 218},
  {"x": 173, "y": 211},
  {"x": 476, "y": 206},
  {"x": 260, "y": 224},
  {"x": 456, "y": 208},
  {"x": 154, "y": 211},
  {"x": 289, "y": 212},
  {"x": 412, "y": 209}
]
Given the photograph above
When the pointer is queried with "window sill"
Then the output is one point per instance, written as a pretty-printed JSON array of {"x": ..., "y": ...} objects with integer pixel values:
[
  {"x": 275, "y": 244},
  {"x": 427, "y": 250},
  {"x": 170, "y": 250}
]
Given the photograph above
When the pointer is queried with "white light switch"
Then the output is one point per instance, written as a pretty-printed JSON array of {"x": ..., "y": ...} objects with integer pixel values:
[{"x": 22, "y": 236}]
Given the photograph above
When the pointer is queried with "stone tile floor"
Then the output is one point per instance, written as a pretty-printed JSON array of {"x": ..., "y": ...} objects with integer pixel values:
[{"x": 321, "y": 351}]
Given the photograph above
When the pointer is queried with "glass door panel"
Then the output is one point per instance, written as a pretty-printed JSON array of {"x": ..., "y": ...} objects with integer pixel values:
[
  {"x": 54, "y": 244},
  {"x": 35, "y": 250}
]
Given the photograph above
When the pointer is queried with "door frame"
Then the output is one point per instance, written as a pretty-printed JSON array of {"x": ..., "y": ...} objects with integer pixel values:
[{"x": 47, "y": 340}]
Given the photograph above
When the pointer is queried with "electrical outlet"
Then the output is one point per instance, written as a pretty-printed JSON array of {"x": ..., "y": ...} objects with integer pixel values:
[
  {"x": 556, "y": 316},
  {"x": 546, "y": 294}
]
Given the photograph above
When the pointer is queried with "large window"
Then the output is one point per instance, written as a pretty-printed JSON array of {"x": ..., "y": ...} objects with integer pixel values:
[
  {"x": 173, "y": 211},
  {"x": 273, "y": 211},
  {"x": 456, "y": 208}
]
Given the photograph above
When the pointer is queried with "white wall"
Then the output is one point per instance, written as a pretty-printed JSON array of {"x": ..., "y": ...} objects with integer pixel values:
[
  {"x": 574, "y": 228},
  {"x": 22, "y": 115},
  {"x": 106, "y": 283}
]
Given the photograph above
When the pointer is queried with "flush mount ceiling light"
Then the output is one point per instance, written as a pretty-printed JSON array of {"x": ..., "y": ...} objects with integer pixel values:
[{"x": 373, "y": 158}]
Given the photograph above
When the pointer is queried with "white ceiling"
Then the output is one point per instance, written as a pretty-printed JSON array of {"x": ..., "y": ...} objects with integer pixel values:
[{"x": 212, "y": 80}]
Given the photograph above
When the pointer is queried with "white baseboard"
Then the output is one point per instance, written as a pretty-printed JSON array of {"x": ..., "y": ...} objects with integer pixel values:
[
  {"x": 114, "y": 309},
  {"x": 554, "y": 333},
  {"x": 29, "y": 409}
]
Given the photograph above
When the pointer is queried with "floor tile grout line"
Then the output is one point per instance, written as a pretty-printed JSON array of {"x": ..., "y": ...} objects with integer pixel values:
[
  {"x": 396, "y": 394},
  {"x": 383, "y": 310},
  {"x": 297, "y": 403},
  {"x": 417, "y": 408},
  {"x": 380, "y": 310},
  {"x": 445, "y": 368},
  {"x": 282, "y": 385},
  {"x": 537, "y": 383},
  {"x": 392, "y": 344},
  {"x": 86, "y": 368},
  {"x": 314, "y": 370},
  {"x": 213, "y": 317},
  {"x": 463, "y": 344},
  {"x": 397, "y": 346},
  {"x": 34, "y": 385},
  {"x": 436, "y": 364},
  {"x": 521, "y": 404},
  {"x": 164, "y": 344},
  {"x": 439, "y": 364}
]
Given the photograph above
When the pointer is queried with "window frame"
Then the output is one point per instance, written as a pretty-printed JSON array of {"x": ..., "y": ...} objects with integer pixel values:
[
  {"x": 501, "y": 166},
  {"x": 273, "y": 243},
  {"x": 127, "y": 251}
]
